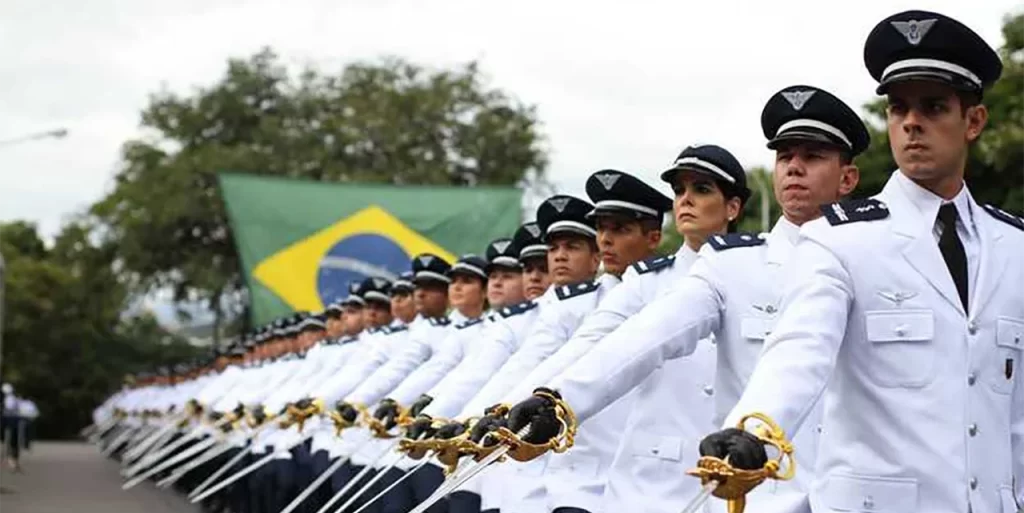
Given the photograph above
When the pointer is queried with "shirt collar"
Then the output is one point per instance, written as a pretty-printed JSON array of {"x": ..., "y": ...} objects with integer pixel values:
[{"x": 928, "y": 203}]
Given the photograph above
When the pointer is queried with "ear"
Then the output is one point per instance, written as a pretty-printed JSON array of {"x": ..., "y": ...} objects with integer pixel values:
[
  {"x": 653, "y": 239},
  {"x": 849, "y": 177},
  {"x": 733, "y": 208},
  {"x": 977, "y": 117}
]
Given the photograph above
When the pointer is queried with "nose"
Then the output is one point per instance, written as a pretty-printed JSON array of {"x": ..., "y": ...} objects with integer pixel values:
[{"x": 911, "y": 122}]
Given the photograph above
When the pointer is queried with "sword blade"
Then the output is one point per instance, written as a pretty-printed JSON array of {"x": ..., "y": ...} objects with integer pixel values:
[
  {"x": 212, "y": 453},
  {"x": 159, "y": 442},
  {"x": 376, "y": 477},
  {"x": 224, "y": 468},
  {"x": 140, "y": 449},
  {"x": 155, "y": 458},
  {"x": 355, "y": 480},
  {"x": 457, "y": 480},
  {"x": 324, "y": 476},
  {"x": 248, "y": 470},
  {"x": 392, "y": 485},
  {"x": 187, "y": 453},
  {"x": 118, "y": 442},
  {"x": 701, "y": 498}
]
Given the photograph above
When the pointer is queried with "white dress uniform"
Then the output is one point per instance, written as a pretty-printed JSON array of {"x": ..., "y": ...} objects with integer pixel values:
[
  {"x": 731, "y": 292},
  {"x": 657, "y": 444},
  {"x": 925, "y": 409}
]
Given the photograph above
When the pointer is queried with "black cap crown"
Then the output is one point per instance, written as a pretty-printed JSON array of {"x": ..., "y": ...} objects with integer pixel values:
[
  {"x": 376, "y": 289},
  {"x": 502, "y": 253},
  {"x": 565, "y": 214},
  {"x": 355, "y": 294},
  {"x": 403, "y": 283},
  {"x": 615, "y": 192},
  {"x": 807, "y": 113},
  {"x": 714, "y": 161},
  {"x": 427, "y": 267},
  {"x": 923, "y": 45},
  {"x": 529, "y": 241},
  {"x": 471, "y": 265}
]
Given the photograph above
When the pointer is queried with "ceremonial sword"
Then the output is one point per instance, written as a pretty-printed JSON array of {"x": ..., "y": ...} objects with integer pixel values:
[{"x": 247, "y": 470}]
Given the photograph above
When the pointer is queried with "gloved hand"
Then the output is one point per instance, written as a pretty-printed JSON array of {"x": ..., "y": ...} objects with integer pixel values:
[
  {"x": 347, "y": 411},
  {"x": 539, "y": 412},
  {"x": 239, "y": 411},
  {"x": 418, "y": 406},
  {"x": 745, "y": 451},
  {"x": 421, "y": 429},
  {"x": 387, "y": 412},
  {"x": 486, "y": 424},
  {"x": 450, "y": 430},
  {"x": 302, "y": 404}
]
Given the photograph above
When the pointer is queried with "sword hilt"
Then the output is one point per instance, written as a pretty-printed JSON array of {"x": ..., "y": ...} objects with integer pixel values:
[
  {"x": 523, "y": 451},
  {"x": 735, "y": 483}
]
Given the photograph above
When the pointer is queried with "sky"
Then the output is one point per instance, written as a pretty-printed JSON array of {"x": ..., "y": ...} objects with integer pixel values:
[{"x": 621, "y": 85}]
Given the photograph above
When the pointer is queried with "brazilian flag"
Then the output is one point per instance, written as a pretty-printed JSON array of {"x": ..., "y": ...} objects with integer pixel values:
[{"x": 302, "y": 242}]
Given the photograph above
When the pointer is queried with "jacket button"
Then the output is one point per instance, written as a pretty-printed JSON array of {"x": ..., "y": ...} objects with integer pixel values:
[
  {"x": 972, "y": 327},
  {"x": 869, "y": 503},
  {"x": 974, "y": 483},
  {"x": 972, "y": 429},
  {"x": 971, "y": 378},
  {"x": 709, "y": 390}
]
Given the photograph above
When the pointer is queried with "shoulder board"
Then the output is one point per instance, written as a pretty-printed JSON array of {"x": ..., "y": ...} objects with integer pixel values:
[
  {"x": 389, "y": 330},
  {"x": 471, "y": 322},
  {"x": 654, "y": 264},
  {"x": 735, "y": 240},
  {"x": 371, "y": 331},
  {"x": 517, "y": 309},
  {"x": 578, "y": 289},
  {"x": 439, "y": 321},
  {"x": 1005, "y": 216},
  {"x": 855, "y": 210}
]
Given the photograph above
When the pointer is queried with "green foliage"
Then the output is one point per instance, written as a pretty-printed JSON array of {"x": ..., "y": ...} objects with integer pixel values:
[
  {"x": 66, "y": 342},
  {"x": 386, "y": 122},
  {"x": 995, "y": 168}
]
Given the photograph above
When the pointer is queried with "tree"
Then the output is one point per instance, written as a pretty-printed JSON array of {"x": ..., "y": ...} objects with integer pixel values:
[
  {"x": 66, "y": 340},
  {"x": 995, "y": 168},
  {"x": 386, "y": 122}
]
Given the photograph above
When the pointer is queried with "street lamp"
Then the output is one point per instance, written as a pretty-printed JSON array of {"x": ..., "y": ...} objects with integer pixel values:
[{"x": 57, "y": 133}]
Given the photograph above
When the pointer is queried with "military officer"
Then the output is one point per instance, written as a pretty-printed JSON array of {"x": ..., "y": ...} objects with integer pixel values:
[
  {"x": 910, "y": 302},
  {"x": 710, "y": 190},
  {"x": 732, "y": 288}
]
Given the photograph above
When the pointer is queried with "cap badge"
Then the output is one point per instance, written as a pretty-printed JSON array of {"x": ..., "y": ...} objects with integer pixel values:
[
  {"x": 607, "y": 180},
  {"x": 798, "y": 98},
  {"x": 559, "y": 203},
  {"x": 501, "y": 245},
  {"x": 426, "y": 260},
  {"x": 534, "y": 230},
  {"x": 913, "y": 30}
]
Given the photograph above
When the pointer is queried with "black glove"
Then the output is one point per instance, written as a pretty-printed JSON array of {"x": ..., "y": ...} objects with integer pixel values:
[
  {"x": 239, "y": 411},
  {"x": 421, "y": 428},
  {"x": 450, "y": 430},
  {"x": 387, "y": 412},
  {"x": 302, "y": 404},
  {"x": 744, "y": 450},
  {"x": 214, "y": 416},
  {"x": 539, "y": 413},
  {"x": 418, "y": 406},
  {"x": 259, "y": 414},
  {"x": 347, "y": 411},
  {"x": 485, "y": 425}
]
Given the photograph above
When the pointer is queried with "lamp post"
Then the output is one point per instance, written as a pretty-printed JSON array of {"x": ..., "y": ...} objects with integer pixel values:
[{"x": 57, "y": 133}]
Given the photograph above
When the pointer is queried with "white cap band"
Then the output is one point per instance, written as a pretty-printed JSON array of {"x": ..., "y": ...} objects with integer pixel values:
[
  {"x": 931, "y": 63},
  {"x": 703, "y": 164},
  {"x": 814, "y": 123},
  {"x": 627, "y": 205}
]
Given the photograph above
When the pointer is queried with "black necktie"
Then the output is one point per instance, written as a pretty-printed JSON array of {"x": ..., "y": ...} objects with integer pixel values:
[{"x": 953, "y": 250}]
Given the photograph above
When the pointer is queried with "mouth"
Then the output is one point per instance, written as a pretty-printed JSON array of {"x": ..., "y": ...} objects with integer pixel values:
[
  {"x": 794, "y": 187},
  {"x": 915, "y": 147},
  {"x": 609, "y": 257}
]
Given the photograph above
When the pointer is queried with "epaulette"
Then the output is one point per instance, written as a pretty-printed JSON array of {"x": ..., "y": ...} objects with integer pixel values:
[
  {"x": 390, "y": 330},
  {"x": 439, "y": 321},
  {"x": 854, "y": 210},
  {"x": 578, "y": 289},
  {"x": 735, "y": 240},
  {"x": 1005, "y": 216},
  {"x": 471, "y": 322},
  {"x": 517, "y": 309},
  {"x": 654, "y": 264}
]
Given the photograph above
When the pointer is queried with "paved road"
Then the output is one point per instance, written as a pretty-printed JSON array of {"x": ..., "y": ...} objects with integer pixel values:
[{"x": 70, "y": 477}]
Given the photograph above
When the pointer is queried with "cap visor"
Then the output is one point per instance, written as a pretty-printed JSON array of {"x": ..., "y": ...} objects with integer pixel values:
[
  {"x": 927, "y": 76},
  {"x": 801, "y": 136}
]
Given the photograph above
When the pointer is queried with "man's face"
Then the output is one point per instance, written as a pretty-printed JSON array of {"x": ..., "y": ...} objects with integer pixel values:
[
  {"x": 402, "y": 306},
  {"x": 377, "y": 314},
  {"x": 335, "y": 327},
  {"x": 700, "y": 208},
  {"x": 624, "y": 242},
  {"x": 431, "y": 298},
  {"x": 465, "y": 292},
  {"x": 572, "y": 258},
  {"x": 808, "y": 175},
  {"x": 930, "y": 131},
  {"x": 504, "y": 287},
  {"x": 535, "y": 276},
  {"x": 353, "y": 319}
]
